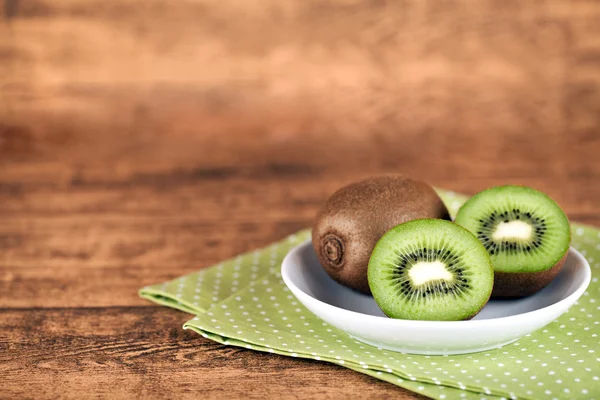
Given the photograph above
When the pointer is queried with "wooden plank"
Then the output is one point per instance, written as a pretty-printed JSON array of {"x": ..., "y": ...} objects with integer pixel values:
[
  {"x": 82, "y": 247},
  {"x": 131, "y": 352},
  {"x": 268, "y": 199},
  {"x": 471, "y": 85},
  {"x": 92, "y": 262}
]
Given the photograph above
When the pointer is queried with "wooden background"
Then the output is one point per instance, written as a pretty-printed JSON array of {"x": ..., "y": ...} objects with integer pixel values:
[{"x": 144, "y": 139}]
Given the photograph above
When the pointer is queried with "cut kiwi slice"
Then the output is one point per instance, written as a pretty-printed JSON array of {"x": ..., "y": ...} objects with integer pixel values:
[
  {"x": 525, "y": 232},
  {"x": 430, "y": 269}
]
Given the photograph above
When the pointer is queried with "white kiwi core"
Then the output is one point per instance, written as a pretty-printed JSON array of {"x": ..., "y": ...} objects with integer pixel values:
[
  {"x": 425, "y": 271},
  {"x": 513, "y": 230}
]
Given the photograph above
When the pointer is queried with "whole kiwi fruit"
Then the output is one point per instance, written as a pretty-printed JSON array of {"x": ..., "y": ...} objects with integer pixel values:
[{"x": 355, "y": 217}]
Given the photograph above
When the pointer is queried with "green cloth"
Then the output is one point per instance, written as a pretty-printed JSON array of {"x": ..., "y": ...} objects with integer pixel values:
[{"x": 243, "y": 302}]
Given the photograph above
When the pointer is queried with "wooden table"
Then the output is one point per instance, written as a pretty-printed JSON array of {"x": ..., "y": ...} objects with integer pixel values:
[{"x": 141, "y": 140}]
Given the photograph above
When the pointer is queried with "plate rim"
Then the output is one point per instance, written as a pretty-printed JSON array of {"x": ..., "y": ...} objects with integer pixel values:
[{"x": 577, "y": 293}]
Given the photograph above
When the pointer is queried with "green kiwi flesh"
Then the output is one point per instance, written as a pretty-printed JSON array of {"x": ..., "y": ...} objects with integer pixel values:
[
  {"x": 352, "y": 220},
  {"x": 430, "y": 269},
  {"x": 525, "y": 232}
]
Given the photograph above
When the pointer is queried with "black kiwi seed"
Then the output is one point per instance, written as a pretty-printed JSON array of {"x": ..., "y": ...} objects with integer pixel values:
[
  {"x": 487, "y": 225},
  {"x": 407, "y": 288}
]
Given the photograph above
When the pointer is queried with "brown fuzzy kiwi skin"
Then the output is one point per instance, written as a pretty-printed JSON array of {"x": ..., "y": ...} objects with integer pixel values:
[
  {"x": 515, "y": 285},
  {"x": 356, "y": 216}
]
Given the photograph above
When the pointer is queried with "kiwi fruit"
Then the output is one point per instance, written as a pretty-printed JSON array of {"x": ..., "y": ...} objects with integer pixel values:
[
  {"x": 352, "y": 220},
  {"x": 525, "y": 232},
  {"x": 430, "y": 269}
]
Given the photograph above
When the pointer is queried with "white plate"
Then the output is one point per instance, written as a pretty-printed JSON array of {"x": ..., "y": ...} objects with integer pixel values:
[{"x": 499, "y": 323}]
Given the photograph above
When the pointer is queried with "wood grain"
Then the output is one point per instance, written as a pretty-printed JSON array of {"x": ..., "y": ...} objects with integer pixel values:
[
  {"x": 140, "y": 140},
  {"x": 125, "y": 353}
]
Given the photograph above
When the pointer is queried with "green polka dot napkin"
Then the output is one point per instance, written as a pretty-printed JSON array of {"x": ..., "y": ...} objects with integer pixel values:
[{"x": 243, "y": 302}]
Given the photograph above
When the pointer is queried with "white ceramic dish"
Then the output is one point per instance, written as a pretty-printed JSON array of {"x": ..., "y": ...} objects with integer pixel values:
[{"x": 499, "y": 323}]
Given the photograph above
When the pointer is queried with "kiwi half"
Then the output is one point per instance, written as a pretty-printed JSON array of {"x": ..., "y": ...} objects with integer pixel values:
[
  {"x": 356, "y": 216},
  {"x": 430, "y": 269},
  {"x": 525, "y": 232}
]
